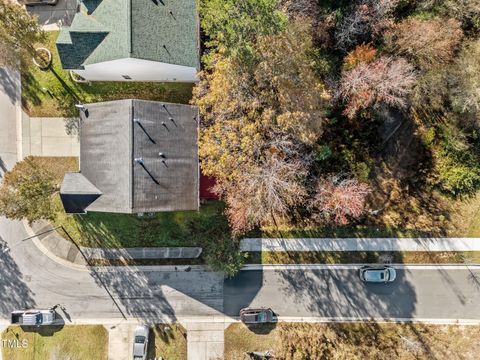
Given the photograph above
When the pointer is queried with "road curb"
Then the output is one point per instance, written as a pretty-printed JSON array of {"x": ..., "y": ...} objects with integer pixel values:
[
  {"x": 288, "y": 319},
  {"x": 257, "y": 267},
  {"x": 378, "y": 320},
  {"x": 34, "y": 238}
]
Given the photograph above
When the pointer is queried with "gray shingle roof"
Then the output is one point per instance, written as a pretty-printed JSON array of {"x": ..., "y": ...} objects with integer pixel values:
[
  {"x": 77, "y": 193},
  {"x": 141, "y": 155},
  {"x": 158, "y": 30}
]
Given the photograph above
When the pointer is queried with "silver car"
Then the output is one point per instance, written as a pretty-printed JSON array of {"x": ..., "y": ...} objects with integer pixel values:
[
  {"x": 140, "y": 342},
  {"x": 378, "y": 274}
]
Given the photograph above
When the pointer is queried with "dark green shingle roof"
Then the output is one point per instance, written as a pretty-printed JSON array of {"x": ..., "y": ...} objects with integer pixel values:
[{"x": 157, "y": 30}]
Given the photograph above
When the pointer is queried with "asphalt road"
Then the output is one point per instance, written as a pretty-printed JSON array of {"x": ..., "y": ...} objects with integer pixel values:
[
  {"x": 419, "y": 293},
  {"x": 28, "y": 278}
]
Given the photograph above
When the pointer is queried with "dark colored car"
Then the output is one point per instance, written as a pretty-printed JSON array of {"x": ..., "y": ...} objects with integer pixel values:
[
  {"x": 38, "y": 2},
  {"x": 256, "y": 316},
  {"x": 378, "y": 274}
]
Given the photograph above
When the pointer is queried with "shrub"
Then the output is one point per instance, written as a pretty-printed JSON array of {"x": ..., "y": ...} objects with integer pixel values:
[
  {"x": 339, "y": 199},
  {"x": 220, "y": 247},
  {"x": 430, "y": 93},
  {"x": 455, "y": 176},
  {"x": 364, "y": 53}
]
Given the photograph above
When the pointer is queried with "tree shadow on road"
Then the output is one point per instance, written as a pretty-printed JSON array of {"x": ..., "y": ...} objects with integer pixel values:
[
  {"x": 158, "y": 296},
  {"x": 340, "y": 293},
  {"x": 14, "y": 291},
  {"x": 9, "y": 84}
]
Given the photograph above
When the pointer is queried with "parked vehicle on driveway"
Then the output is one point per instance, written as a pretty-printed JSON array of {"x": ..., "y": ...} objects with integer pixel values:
[
  {"x": 377, "y": 274},
  {"x": 140, "y": 342},
  {"x": 257, "y": 316},
  {"x": 33, "y": 317},
  {"x": 38, "y": 2}
]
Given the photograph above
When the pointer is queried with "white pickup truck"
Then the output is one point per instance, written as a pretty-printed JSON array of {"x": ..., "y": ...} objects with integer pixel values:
[{"x": 33, "y": 317}]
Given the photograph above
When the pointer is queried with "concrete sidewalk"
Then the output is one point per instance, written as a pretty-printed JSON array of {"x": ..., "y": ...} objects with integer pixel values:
[{"x": 360, "y": 244}]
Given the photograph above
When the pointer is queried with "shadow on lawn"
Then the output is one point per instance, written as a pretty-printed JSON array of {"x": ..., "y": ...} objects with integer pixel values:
[
  {"x": 31, "y": 89},
  {"x": 123, "y": 230},
  {"x": 166, "y": 334},
  {"x": 63, "y": 96},
  {"x": 185, "y": 228}
]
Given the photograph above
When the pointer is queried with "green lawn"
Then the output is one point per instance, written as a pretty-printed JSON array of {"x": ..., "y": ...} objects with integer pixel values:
[
  {"x": 177, "y": 228},
  {"x": 168, "y": 342},
  {"x": 52, "y": 92},
  {"x": 79, "y": 342}
]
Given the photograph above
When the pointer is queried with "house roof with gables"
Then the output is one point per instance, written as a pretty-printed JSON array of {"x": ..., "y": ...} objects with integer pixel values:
[
  {"x": 141, "y": 156},
  {"x": 157, "y": 30}
]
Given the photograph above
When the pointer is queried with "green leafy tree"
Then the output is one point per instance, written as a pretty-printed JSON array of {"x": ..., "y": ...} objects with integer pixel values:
[
  {"x": 457, "y": 174},
  {"x": 27, "y": 192},
  {"x": 220, "y": 248},
  {"x": 19, "y": 32},
  {"x": 233, "y": 25}
]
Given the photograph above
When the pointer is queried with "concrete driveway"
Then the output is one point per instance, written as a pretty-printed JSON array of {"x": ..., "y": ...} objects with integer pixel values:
[{"x": 55, "y": 17}]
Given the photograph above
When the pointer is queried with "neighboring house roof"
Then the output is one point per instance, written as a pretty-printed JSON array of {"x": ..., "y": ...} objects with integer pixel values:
[
  {"x": 142, "y": 156},
  {"x": 157, "y": 30}
]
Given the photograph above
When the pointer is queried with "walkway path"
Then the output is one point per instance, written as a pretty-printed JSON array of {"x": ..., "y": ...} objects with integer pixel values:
[
  {"x": 50, "y": 136},
  {"x": 361, "y": 244},
  {"x": 205, "y": 340}
]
